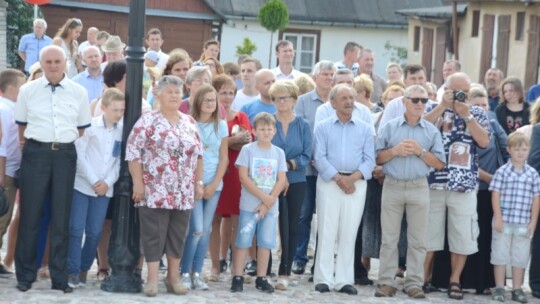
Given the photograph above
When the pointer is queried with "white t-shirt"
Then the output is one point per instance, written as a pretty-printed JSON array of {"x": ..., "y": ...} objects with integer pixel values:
[{"x": 241, "y": 99}]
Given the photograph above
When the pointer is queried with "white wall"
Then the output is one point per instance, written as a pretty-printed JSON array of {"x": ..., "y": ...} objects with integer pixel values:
[{"x": 333, "y": 39}]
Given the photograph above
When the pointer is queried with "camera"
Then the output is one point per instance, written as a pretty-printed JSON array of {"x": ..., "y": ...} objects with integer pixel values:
[{"x": 460, "y": 96}]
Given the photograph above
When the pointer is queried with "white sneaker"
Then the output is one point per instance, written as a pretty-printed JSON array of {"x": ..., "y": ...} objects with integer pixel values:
[
  {"x": 198, "y": 282},
  {"x": 186, "y": 281}
]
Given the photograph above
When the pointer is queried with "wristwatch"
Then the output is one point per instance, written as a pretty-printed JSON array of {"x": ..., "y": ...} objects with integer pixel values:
[
  {"x": 468, "y": 118},
  {"x": 423, "y": 153},
  {"x": 200, "y": 183}
]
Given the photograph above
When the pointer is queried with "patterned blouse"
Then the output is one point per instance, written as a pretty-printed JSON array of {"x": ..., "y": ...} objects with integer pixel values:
[
  {"x": 169, "y": 155},
  {"x": 461, "y": 171}
]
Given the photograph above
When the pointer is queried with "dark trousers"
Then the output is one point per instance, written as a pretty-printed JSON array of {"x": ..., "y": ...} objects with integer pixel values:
[
  {"x": 43, "y": 171},
  {"x": 534, "y": 271},
  {"x": 306, "y": 215},
  {"x": 289, "y": 217}
]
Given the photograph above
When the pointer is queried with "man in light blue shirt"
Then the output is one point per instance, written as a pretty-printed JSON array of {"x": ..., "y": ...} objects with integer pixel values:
[
  {"x": 407, "y": 147},
  {"x": 264, "y": 78},
  {"x": 344, "y": 157},
  {"x": 31, "y": 44},
  {"x": 91, "y": 78},
  {"x": 351, "y": 53}
]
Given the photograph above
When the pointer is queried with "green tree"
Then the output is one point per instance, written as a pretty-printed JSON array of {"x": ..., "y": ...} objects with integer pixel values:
[
  {"x": 273, "y": 16},
  {"x": 20, "y": 16},
  {"x": 246, "y": 48},
  {"x": 397, "y": 53}
]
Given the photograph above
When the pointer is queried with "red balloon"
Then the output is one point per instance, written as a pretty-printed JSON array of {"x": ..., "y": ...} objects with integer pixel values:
[{"x": 39, "y": 2}]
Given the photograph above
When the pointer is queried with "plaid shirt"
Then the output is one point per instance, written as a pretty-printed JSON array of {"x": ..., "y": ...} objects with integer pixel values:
[{"x": 517, "y": 189}]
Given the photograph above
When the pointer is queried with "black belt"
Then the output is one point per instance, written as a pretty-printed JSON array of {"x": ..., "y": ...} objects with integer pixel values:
[
  {"x": 345, "y": 173},
  {"x": 53, "y": 145}
]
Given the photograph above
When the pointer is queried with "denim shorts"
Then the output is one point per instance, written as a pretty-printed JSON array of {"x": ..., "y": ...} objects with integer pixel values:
[{"x": 266, "y": 229}]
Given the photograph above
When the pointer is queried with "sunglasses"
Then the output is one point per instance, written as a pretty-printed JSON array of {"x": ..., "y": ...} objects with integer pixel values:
[{"x": 416, "y": 100}]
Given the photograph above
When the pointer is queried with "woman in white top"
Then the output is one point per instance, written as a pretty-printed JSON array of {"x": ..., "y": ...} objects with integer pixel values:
[{"x": 66, "y": 38}]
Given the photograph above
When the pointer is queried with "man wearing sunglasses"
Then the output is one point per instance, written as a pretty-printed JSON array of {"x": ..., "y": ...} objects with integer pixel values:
[
  {"x": 407, "y": 148},
  {"x": 464, "y": 128}
]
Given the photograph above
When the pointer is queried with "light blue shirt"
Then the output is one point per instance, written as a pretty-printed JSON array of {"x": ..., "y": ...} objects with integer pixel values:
[
  {"x": 94, "y": 85},
  {"x": 410, "y": 167},
  {"x": 211, "y": 143},
  {"x": 31, "y": 45},
  {"x": 344, "y": 147},
  {"x": 306, "y": 107},
  {"x": 296, "y": 145},
  {"x": 255, "y": 107}
]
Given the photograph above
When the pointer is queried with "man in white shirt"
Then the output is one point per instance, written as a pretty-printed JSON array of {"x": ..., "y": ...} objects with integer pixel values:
[
  {"x": 10, "y": 154},
  {"x": 285, "y": 57},
  {"x": 249, "y": 92},
  {"x": 52, "y": 112},
  {"x": 351, "y": 53},
  {"x": 154, "y": 41}
]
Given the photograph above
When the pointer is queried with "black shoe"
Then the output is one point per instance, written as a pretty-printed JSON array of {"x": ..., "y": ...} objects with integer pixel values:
[
  {"x": 251, "y": 268},
  {"x": 310, "y": 279},
  {"x": 428, "y": 288},
  {"x": 298, "y": 268},
  {"x": 322, "y": 288},
  {"x": 536, "y": 294},
  {"x": 363, "y": 281},
  {"x": 263, "y": 285},
  {"x": 4, "y": 273},
  {"x": 222, "y": 266},
  {"x": 22, "y": 286},
  {"x": 349, "y": 289},
  {"x": 63, "y": 287},
  {"x": 237, "y": 284}
]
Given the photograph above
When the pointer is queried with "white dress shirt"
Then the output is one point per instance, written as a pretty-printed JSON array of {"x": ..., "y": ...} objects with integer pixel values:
[
  {"x": 280, "y": 75},
  {"x": 53, "y": 116},
  {"x": 9, "y": 148},
  {"x": 98, "y": 156}
]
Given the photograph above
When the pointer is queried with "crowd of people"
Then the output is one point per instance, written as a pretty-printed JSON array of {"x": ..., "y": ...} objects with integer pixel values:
[{"x": 440, "y": 184}]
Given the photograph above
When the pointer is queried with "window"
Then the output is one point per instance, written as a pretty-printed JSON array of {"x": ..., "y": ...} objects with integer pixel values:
[
  {"x": 416, "y": 44},
  {"x": 306, "y": 45},
  {"x": 520, "y": 25},
  {"x": 475, "y": 23}
]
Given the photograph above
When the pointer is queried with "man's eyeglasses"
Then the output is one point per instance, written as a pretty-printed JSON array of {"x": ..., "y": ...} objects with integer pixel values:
[{"x": 416, "y": 100}]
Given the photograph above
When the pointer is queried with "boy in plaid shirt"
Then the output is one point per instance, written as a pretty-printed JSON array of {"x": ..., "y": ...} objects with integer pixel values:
[{"x": 516, "y": 201}]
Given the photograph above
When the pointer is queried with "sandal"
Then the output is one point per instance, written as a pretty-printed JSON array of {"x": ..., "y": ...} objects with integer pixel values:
[
  {"x": 282, "y": 284},
  {"x": 43, "y": 273},
  {"x": 456, "y": 294},
  {"x": 102, "y": 275}
]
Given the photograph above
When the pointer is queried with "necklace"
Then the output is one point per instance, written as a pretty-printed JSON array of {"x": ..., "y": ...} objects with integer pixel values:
[{"x": 203, "y": 127}]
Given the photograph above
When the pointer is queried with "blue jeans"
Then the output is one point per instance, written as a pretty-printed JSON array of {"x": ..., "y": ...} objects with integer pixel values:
[
  {"x": 200, "y": 226},
  {"x": 87, "y": 216},
  {"x": 306, "y": 215}
]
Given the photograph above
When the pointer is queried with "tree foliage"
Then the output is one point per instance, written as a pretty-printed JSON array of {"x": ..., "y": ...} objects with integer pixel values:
[
  {"x": 274, "y": 15},
  {"x": 20, "y": 16},
  {"x": 397, "y": 53},
  {"x": 246, "y": 48}
]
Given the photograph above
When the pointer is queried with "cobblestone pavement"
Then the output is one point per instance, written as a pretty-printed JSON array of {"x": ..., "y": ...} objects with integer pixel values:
[{"x": 302, "y": 292}]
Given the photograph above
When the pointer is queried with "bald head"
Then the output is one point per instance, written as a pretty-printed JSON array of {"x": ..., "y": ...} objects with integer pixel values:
[
  {"x": 92, "y": 58},
  {"x": 53, "y": 62},
  {"x": 91, "y": 35},
  {"x": 264, "y": 78}
]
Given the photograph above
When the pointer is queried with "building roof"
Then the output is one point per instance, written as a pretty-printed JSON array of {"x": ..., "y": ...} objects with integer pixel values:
[
  {"x": 441, "y": 12},
  {"x": 348, "y": 13}
]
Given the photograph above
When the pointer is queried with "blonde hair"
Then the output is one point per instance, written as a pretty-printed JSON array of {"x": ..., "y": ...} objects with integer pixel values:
[
  {"x": 284, "y": 86},
  {"x": 264, "y": 118},
  {"x": 535, "y": 112},
  {"x": 110, "y": 95},
  {"x": 305, "y": 84},
  {"x": 517, "y": 139},
  {"x": 363, "y": 83}
]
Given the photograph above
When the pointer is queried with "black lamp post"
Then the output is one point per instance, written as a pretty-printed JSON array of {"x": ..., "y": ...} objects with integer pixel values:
[{"x": 124, "y": 245}]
